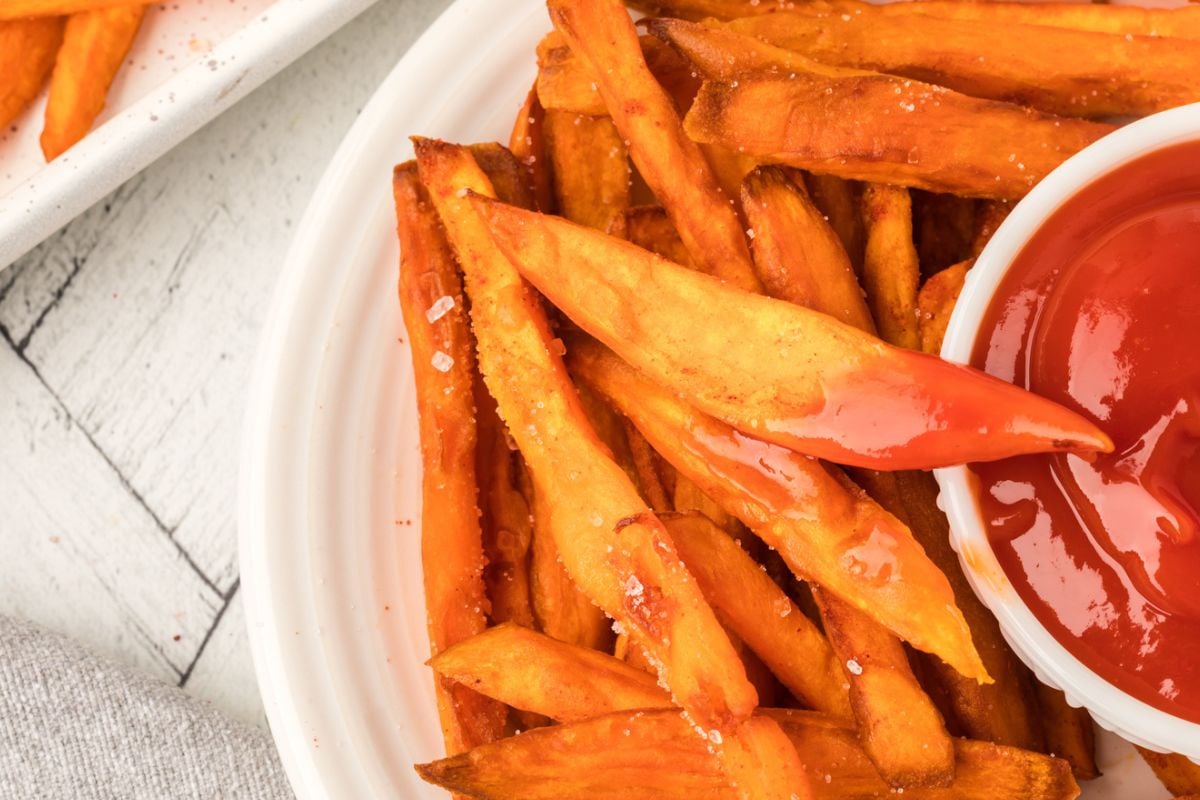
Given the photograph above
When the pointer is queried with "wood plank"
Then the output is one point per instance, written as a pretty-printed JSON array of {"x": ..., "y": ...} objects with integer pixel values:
[
  {"x": 93, "y": 565},
  {"x": 224, "y": 672}
]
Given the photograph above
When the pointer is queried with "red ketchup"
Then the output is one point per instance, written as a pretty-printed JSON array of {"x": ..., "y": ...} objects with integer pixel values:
[{"x": 1101, "y": 312}]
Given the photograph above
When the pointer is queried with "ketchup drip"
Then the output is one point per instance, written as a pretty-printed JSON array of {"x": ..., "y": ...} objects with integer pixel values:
[{"x": 1101, "y": 313}]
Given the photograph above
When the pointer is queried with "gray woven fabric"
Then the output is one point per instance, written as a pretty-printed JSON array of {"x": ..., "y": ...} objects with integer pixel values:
[{"x": 74, "y": 726}]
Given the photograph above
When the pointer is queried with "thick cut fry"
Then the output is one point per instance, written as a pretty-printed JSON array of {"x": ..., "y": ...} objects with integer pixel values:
[
  {"x": 504, "y": 172},
  {"x": 623, "y": 755},
  {"x": 1060, "y": 71},
  {"x": 601, "y": 33},
  {"x": 943, "y": 229},
  {"x": 650, "y": 228},
  {"x": 94, "y": 47},
  {"x": 1005, "y": 711},
  {"x": 935, "y": 304},
  {"x": 891, "y": 272},
  {"x": 612, "y": 545},
  {"x": 528, "y": 144},
  {"x": 1179, "y": 774},
  {"x": 787, "y": 374},
  {"x": 761, "y": 614},
  {"x": 798, "y": 256},
  {"x": 762, "y": 764},
  {"x": 19, "y": 9},
  {"x": 590, "y": 167},
  {"x": 1069, "y": 732},
  {"x": 889, "y": 130},
  {"x": 27, "y": 50},
  {"x": 538, "y": 674},
  {"x": 837, "y": 199},
  {"x": 900, "y": 728},
  {"x": 988, "y": 217},
  {"x": 827, "y": 530},
  {"x": 443, "y": 369}
]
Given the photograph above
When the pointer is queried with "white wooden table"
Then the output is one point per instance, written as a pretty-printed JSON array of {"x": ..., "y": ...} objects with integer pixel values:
[{"x": 126, "y": 343}]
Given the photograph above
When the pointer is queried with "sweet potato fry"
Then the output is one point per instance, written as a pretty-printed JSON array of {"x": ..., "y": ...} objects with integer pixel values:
[
  {"x": 761, "y": 614},
  {"x": 935, "y": 304},
  {"x": 943, "y": 229},
  {"x": 652, "y": 471},
  {"x": 1057, "y": 70},
  {"x": 20, "y": 9},
  {"x": 443, "y": 368},
  {"x": 504, "y": 172},
  {"x": 601, "y": 33},
  {"x": 650, "y": 228},
  {"x": 861, "y": 127},
  {"x": 837, "y": 199},
  {"x": 621, "y": 755},
  {"x": 762, "y": 764},
  {"x": 988, "y": 216},
  {"x": 536, "y": 673},
  {"x": 1177, "y": 773},
  {"x": 689, "y": 497},
  {"x": 93, "y": 48},
  {"x": 1070, "y": 734},
  {"x": 890, "y": 271},
  {"x": 590, "y": 167},
  {"x": 784, "y": 373},
  {"x": 27, "y": 50},
  {"x": 1004, "y": 711},
  {"x": 528, "y": 144},
  {"x": 899, "y": 726},
  {"x": 697, "y": 10},
  {"x": 612, "y": 545},
  {"x": 821, "y": 524},
  {"x": 797, "y": 254}
]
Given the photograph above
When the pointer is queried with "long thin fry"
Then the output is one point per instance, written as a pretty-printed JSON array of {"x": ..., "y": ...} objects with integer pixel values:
[
  {"x": 622, "y": 755},
  {"x": 1061, "y": 71},
  {"x": 837, "y": 199},
  {"x": 528, "y": 144},
  {"x": 761, "y": 614},
  {"x": 19, "y": 9},
  {"x": 590, "y": 167},
  {"x": 27, "y": 50},
  {"x": 443, "y": 369},
  {"x": 612, "y": 545},
  {"x": 826, "y": 531},
  {"x": 797, "y": 254},
  {"x": 1070, "y": 734},
  {"x": 650, "y": 469},
  {"x": 94, "y": 47},
  {"x": 600, "y": 32},
  {"x": 891, "y": 271},
  {"x": 785, "y": 373},
  {"x": 1179, "y": 774},
  {"x": 935, "y": 304},
  {"x": 536, "y": 673}
]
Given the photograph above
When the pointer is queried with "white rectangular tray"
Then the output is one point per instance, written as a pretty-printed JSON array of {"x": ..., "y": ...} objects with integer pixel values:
[{"x": 192, "y": 59}]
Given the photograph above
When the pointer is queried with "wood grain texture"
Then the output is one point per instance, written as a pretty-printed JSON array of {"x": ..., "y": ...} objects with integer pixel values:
[{"x": 126, "y": 343}]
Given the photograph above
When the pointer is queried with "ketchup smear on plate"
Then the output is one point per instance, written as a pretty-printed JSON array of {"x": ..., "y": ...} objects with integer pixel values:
[{"x": 1101, "y": 312}]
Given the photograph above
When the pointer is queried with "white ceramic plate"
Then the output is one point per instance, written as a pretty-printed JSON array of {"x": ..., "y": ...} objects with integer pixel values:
[
  {"x": 330, "y": 500},
  {"x": 191, "y": 60}
]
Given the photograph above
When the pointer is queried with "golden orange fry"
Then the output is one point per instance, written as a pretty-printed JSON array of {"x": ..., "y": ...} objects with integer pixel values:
[
  {"x": 528, "y": 144},
  {"x": 1179, "y": 774},
  {"x": 18, "y": 9},
  {"x": 935, "y": 304},
  {"x": 27, "y": 51},
  {"x": 94, "y": 47},
  {"x": 1070, "y": 734},
  {"x": 590, "y": 165},
  {"x": 890, "y": 272},
  {"x": 443, "y": 371}
]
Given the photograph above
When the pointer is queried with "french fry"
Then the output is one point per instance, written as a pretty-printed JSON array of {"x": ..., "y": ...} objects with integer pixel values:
[
  {"x": 890, "y": 271},
  {"x": 1057, "y": 70},
  {"x": 821, "y": 524},
  {"x": 94, "y": 46},
  {"x": 27, "y": 51},
  {"x": 761, "y": 614},
  {"x": 1069, "y": 732},
  {"x": 568, "y": 683},
  {"x": 612, "y": 545},
  {"x": 621, "y": 755},
  {"x": 1005, "y": 711},
  {"x": 505, "y": 173},
  {"x": 443, "y": 368},
  {"x": 20, "y": 9},
  {"x": 697, "y": 10},
  {"x": 652, "y": 471},
  {"x": 787, "y": 374},
  {"x": 899, "y": 726},
  {"x": 1179, "y": 774},
  {"x": 935, "y": 304},
  {"x": 837, "y": 199},
  {"x": 988, "y": 217},
  {"x": 943, "y": 229},
  {"x": 601, "y": 33},
  {"x": 797, "y": 254},
  {"x": 528, "y": 144},
  {"x": 590, "y": 167},
  {"x": 650, "y": 228},
  {"x": 762, "y": 764}
]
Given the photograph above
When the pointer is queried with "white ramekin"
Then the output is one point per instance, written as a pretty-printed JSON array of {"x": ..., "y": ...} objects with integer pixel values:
[{"x": 1111, "y": 707}]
